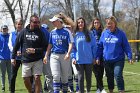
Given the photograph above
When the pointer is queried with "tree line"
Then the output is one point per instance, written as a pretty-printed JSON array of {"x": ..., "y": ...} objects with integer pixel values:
[{"x": 128, "y": 14}]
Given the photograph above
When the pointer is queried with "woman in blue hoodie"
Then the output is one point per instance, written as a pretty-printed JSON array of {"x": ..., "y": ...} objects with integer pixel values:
[
  {"x": 113, "y": 45},
  {"x": 83, "y": 54},
  {"x": 5, "y": 63}
]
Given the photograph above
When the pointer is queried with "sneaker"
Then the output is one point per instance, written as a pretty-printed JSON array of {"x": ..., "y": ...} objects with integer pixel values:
[
  {"x": 103, "y": 91},
  {"x": 77, "y": 91},
  {"x": 46, "y": 89},
  {"x": 3, "y": 89},
  {"x": 98, "y": 91}
]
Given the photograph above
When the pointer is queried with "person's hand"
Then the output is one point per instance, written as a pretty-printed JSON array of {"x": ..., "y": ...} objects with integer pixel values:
[
  {"x": 13, "y": 62},
  {"x": 94, "y": 61},
  {"x": 97, "y": 62},
  {"x": 67, "y": 56},
  {"x": 45, "y": 60},
  {"x": 73, "y": 61},
  {"x": 18, "y": 53},
  {"x": 131, "y": 61},
  {"x": 30, "y": 50}
]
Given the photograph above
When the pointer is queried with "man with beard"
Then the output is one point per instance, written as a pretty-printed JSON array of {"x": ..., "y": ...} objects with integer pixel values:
[{"x": 32, "y": 42}]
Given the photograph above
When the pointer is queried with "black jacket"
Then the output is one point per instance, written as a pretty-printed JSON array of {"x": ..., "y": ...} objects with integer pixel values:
[{"x": 30, "y": 39}]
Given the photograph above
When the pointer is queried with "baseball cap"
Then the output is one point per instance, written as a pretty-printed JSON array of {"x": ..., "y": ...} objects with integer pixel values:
[
  {"x": 55, "y": 18},
  {"x": 4, "y": 26}
]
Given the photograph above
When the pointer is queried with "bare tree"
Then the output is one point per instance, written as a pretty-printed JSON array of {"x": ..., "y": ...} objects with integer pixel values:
[
  {"x": 12, "y": 7},
  {"x": 113, "y": 7},
  {"x": 95, "y": 6},
  {"x": 132, "y": 9},
  {"x": 23, "y": 14},
  {"x": 68, "y": 10}
]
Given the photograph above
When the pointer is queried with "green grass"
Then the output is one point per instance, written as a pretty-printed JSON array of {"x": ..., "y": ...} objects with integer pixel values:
[{"x": 131, "y": 77}]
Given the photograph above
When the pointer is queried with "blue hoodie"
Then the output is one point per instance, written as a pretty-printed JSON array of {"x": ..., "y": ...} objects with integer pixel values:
[
  {"x": 11, "y": 43},
  {"x": 113, "y": 46},
  {"x": 4, "y": 49},
  {"x": 83, "y": 51}
]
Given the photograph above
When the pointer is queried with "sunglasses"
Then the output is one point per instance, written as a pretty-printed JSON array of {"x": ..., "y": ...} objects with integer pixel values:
[
  {"x": 4, "y": 28},
  {"x": 35, "y": 22}
]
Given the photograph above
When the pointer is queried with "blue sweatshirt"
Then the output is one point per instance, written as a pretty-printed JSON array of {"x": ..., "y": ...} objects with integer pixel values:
[
  {"x": 97, "y": 34},
  {"x": 4, "y": 49},
  {"x": 113, "y": 46},
  {"x": 84, "y": 52},
  {"x": 11, "y": 43}
]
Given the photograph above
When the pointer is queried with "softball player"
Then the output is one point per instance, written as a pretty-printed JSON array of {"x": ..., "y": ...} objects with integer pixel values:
[{"x": 60, "y": 45}]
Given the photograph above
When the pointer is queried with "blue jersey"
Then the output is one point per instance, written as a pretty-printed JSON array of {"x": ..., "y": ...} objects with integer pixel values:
[{"x": 60, "y": 39}]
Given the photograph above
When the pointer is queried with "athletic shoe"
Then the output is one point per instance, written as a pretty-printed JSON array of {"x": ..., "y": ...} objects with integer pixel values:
[
  {"x": 103, "y": 91},
  {"x": 77, "y": 91},
  {"x": 3, "y": 89},
  {"x": 98, "y": 91}
]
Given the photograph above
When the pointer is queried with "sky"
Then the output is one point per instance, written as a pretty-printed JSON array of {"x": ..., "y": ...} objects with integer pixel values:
[{"x": 108, "y": 4}]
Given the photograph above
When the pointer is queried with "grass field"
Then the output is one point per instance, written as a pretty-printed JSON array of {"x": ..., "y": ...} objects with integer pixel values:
[{"x": 131, "y": 77}]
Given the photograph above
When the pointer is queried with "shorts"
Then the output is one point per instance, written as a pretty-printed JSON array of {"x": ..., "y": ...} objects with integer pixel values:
[{"x": 32, "y": 68}]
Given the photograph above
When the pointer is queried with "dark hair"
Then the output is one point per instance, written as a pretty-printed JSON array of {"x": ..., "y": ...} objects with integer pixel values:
[
  {"x": 85, "y": 30},
  {"x": 91, "y": 26},
  {"x": 34, "y": 15},
  {"x": 18, "y": 20}
]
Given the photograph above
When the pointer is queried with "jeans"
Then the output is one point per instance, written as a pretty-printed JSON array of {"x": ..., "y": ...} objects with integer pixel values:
[
  {"x": 5, "y": 65},
  {"x": 14, "y": 71},
  {"x": 115, "y": 69},
  {"x": 98, "y": 72},
  {"x": 87, "y": 69}
]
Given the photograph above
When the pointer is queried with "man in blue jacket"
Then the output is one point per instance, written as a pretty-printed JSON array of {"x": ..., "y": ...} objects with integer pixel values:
[
  {"x": 5, "y": 63},
  {"x": 11, "y": 43}
]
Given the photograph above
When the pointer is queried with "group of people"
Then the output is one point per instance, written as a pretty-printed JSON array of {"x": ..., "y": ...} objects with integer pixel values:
[{"x": 70, "y": 50}]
